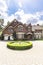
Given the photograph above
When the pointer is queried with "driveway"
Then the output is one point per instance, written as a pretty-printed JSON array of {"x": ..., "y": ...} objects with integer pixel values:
[{"x": 33, "y": 56}]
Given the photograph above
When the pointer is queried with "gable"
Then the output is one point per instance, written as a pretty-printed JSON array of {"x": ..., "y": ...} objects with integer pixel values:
[
  {"x": 20, "y": 28},
  {"x": 16, "y": 26},
  {"x": 12, "y": 24}
]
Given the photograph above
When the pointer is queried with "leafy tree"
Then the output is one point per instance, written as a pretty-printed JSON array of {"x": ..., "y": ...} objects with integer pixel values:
[
  {"x": 8, "y": 23},
  {"x": 1, "y": 24}
]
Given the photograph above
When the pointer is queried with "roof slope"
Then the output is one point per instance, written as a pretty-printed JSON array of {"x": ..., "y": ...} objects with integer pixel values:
[{"x": 14, "y": 23}]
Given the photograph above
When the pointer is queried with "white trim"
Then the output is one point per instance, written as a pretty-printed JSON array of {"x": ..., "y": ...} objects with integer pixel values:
[
  {"x": 20, "y": 33},
  {"x": 7, "y": 34},
  {"x": 29, "y": 33},
  {"x": 37, "y": 33}
]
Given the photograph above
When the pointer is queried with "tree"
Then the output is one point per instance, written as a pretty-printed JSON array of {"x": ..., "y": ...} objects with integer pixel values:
[
  {"x": 1, "y": 24},
  {"x": 8, "y": 23},
  {"x": 0, "y": 28},
  {"x": 2, "y": 37}
]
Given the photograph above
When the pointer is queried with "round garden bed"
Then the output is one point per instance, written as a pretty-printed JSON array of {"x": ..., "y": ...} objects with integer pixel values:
[{"x": 19, "y": 45}]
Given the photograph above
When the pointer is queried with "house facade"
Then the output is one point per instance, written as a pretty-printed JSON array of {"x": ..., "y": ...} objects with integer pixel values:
[
  {"x": 38, "y": 31},
  {"x": 17, "y": 30}
]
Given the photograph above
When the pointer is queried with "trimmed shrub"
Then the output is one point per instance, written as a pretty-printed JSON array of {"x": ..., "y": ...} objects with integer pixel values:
[{"x": 19, "y": 45}]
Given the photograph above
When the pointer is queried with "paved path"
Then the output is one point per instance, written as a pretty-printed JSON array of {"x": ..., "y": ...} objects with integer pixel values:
[{"x": 32, "y": 56}]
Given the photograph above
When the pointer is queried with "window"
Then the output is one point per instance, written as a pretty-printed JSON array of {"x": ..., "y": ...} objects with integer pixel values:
[
  {"x": 10, "y": 30},
  {"x": 29, "y": 28},
  {"x": 20, "y": 28}
]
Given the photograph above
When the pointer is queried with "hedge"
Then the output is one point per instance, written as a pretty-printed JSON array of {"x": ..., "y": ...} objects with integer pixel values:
[{"x": 19, "y": 45}]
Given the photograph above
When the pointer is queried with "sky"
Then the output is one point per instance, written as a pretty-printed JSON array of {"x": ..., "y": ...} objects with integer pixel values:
[{"x": 25, "y": 11}]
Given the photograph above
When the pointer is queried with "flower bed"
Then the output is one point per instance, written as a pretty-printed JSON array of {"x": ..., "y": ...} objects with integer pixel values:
[{"x": 19, "y": 45}]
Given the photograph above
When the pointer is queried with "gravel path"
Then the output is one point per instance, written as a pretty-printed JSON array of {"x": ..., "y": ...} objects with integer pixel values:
[{"x": 33, "y": 56}]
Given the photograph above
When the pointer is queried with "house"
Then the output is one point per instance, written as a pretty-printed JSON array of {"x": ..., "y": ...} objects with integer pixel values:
[
  {"x": 38, "y": 31},
  {"x": 17, "y": 30}
]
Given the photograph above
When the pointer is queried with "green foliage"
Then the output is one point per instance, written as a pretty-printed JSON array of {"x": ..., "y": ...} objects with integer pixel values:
[
  {"x": 0, "y": 28},
  {"x": 8, "y": 23},
  {"x": 1, "y": 24},
  {"x": 2, "y": 37},
  {"x": 19, "y": 45}
]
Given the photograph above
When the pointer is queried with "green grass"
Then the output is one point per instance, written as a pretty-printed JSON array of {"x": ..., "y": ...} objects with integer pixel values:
[{"x": 19, "y": 45}]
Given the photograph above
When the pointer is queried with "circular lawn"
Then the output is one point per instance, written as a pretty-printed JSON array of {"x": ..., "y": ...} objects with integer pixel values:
[{"x": 19, "y": 45}]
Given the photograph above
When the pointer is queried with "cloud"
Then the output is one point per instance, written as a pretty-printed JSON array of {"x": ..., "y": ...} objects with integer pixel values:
[
  {"x": 3, "y": 6},
  {"x": 20, "y": 15},
  {"x": 40, "y": 22},
  {"x": 29, "y": 18},
  {"x": 20, "y": 4},
  {"x": 3, "y": 9},
  {"x": 23, "y": 17},
  {"x": 9, "y": 18}
]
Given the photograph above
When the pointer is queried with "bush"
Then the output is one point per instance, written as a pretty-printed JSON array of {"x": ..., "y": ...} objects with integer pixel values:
[
  {"x": 2, "y": 37},
  {"x": 19, "y": 45}
]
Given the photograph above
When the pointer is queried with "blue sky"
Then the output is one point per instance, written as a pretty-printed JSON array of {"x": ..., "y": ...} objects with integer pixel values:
[
  {"x": 29, "y": 6},
  {"x": 30, "y": 11}
]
